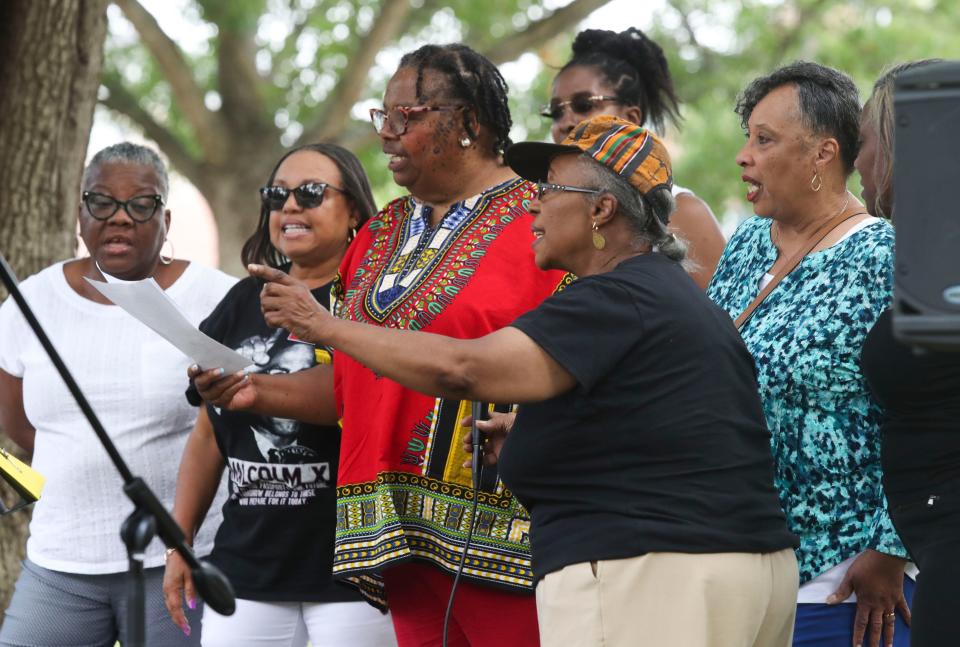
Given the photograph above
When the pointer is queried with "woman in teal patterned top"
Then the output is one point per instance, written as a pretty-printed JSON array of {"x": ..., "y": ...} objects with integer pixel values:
[{"x": 806, "y": 336}]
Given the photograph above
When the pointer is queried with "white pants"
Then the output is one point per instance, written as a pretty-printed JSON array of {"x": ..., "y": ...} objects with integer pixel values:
[{"x": 290, "y": 624}]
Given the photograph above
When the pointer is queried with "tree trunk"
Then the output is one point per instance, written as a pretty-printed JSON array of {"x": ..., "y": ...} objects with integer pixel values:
[
  {"x": 235, "y": 202},
  {"x": 51, "y": 54}
]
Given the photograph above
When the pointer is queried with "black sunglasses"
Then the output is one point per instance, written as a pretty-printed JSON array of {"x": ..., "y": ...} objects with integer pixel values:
[
  {"x": 581, "y": 104},
  {"x": 140, "y": 208},
  {"x": 307, "y": 195}
]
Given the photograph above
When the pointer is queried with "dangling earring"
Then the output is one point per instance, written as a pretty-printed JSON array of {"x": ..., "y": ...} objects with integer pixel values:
[
  {"x": 599, "y": 241},
  {"x": 816, "y": 182},
  {"x": 351, "y": 234},
  {"x": 465, "y": 142},
  {"x": 166, "y": 260}
]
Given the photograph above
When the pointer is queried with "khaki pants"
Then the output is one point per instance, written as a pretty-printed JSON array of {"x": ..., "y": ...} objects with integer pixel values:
[{"x": 671, "y": 600}]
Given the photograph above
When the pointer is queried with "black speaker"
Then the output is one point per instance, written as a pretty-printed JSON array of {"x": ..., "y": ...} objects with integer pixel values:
[{"x": 926, "y": 185}]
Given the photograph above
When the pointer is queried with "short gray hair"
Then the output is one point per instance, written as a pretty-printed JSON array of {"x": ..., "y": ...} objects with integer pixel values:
[
  {"x": 130, "y": 153},
  {"x": 647, "y": 215},
  {"x": 828, "y": 99}
]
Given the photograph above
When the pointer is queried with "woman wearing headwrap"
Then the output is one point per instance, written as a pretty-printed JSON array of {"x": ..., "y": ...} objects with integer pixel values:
[{"x": 639, "y": 447}]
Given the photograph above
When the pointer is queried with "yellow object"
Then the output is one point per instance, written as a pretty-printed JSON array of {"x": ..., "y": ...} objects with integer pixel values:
[{"x": 24, "y": 479}]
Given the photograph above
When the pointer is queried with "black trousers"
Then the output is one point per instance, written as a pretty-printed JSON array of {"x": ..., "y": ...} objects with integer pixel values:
[{"x": 929, "y": 526}]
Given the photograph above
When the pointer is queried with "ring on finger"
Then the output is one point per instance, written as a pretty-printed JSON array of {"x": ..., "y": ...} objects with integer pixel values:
[{"x": 889, "y": 616}]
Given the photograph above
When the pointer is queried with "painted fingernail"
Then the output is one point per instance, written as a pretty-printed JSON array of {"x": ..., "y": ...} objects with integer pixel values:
[
  {"x": 194, "y": 367},
  {"x": 220, "y": 372},
  {"x": 192, "y": 603},
  {"x": 186, "y": 630}
]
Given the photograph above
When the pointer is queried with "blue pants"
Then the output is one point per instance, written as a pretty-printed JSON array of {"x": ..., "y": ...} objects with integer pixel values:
[{"x": 824, "y": 625}]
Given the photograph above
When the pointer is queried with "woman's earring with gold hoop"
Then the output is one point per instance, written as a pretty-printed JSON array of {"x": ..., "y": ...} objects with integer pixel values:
[
  {"x": 816, "y": 182},
  {"x": 166, "y": 260},
  {"x": 599, "y": 242}
]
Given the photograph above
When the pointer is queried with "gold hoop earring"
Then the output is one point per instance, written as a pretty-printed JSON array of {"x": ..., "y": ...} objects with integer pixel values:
[
  {"x": 816, "y": 183},
  {"x": 166, "y": 260},
  {"x": 599, "y": 242},
  {"x": 465, "y": 142}
]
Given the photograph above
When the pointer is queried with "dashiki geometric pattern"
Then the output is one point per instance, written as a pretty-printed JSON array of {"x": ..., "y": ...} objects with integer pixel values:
[
  {"x": 406, "y": 515},
  {"x": 414, "y": 498},
  {"x": 426, "y": 268},
  {"x": 805, "y": 338}
]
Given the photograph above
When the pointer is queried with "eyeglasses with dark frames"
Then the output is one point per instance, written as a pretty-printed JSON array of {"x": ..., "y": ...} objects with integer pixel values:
[
  {"x": 140, "y": 208},
  {"x": 308, "y": 195},
  {"x": 397, "y": 119},
  {"x": 581, "y": 103},
  {"x": 546, "y": 187}
]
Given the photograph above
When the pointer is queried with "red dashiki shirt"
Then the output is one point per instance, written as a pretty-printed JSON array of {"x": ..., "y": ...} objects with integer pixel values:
[{"x": 403, "y": 492}]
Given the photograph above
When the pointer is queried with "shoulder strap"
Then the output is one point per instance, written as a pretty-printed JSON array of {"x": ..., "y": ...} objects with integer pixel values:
[{"x": 815, "y": 238}]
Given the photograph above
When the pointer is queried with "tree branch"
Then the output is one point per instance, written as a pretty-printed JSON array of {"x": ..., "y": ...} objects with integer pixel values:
[
  {"x": 238, "y": 79},
  {"x": 510, "y": 48},
  {"x": 335, "y": 112},
  {"x": 290, "y": 42},
  {"x": 123, "y": 102},
  {"x": 789, "y": 37},
  {"x": 707, "y": 58},
  {"x": 239, "y": 82},
  {"x": 189, "y": 96}
]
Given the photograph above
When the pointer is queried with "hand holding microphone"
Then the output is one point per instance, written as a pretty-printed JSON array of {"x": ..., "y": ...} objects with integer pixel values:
[{"x": 493, "y": 432}]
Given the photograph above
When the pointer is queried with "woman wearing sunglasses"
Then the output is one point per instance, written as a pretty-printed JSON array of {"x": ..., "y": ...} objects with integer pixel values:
[
  {"x": 73, "y": 586},
  {"x": 276, "y": 540},
  {"x": 454, "y": 257},
  {"x": 625, "y": 75}
]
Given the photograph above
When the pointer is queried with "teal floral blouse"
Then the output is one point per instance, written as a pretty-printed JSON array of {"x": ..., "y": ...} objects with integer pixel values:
[{"x": 806, "y": 339}]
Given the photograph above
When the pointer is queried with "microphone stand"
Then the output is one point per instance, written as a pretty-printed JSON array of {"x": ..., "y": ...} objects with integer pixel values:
[
  {"x": 479, "y": 411},
  {"x": 149, "y": 517}
]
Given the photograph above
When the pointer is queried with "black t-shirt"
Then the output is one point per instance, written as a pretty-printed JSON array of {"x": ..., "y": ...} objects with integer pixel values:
[
  {"x": 920, "y": 395},
  {"x": 276, "y": 539},
  {"x": 662, "y": 445}
]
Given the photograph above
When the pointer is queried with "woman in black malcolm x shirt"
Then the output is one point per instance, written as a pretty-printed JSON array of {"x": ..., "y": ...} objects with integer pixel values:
[
  {"x": 276, "y": 540},
  {"x": 640, "y": 448}
]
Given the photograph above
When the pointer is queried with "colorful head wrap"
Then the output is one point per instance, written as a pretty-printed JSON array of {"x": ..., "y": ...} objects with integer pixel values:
[{"x": 629, "y": 150}]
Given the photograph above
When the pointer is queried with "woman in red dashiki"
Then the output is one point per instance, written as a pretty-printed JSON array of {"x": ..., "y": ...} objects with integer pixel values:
[{"x": 404, "y": 492}]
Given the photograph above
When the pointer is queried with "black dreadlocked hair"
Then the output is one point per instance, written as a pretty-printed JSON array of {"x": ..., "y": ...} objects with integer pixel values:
[
  {"x": 634, "y": 66},
  {"x": 474, "y": 80}
]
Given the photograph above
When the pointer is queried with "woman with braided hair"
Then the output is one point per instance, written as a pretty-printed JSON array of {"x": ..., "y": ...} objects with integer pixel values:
[
  {"x": 454, "y": 258},
  {"x": 626, "y": 75}
]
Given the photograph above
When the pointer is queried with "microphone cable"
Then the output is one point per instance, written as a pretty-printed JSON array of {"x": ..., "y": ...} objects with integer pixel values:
[{"x": 479, "y": 411}]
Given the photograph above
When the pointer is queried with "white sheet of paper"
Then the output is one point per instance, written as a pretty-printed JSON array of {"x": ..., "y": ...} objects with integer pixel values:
[{"x": 151, "y": 305}]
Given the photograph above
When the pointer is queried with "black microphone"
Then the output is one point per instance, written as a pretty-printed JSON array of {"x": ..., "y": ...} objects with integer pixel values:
[{"x": 480, "y": 411}]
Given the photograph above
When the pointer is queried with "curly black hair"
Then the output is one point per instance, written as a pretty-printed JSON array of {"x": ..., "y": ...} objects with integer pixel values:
[
  {"x": 829, "y": 103},
  {"x": 634, "y": 66},
  {"x": 474, "y": 80}
]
